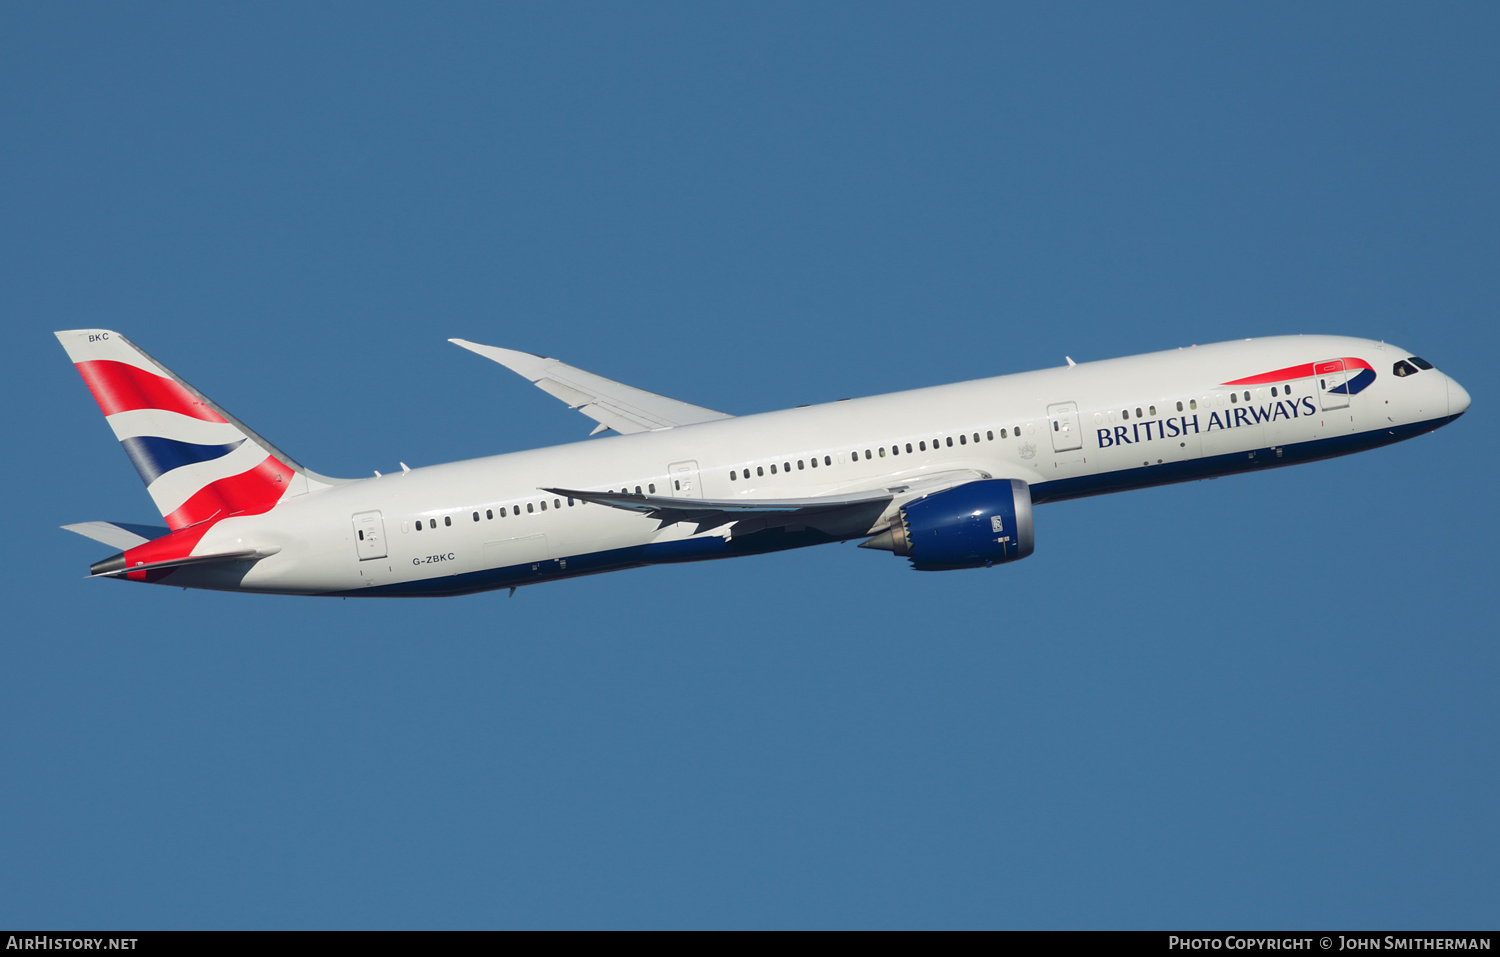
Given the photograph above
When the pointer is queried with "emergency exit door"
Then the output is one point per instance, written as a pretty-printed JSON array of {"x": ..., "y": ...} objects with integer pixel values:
[{"x": 684, "y": 476}]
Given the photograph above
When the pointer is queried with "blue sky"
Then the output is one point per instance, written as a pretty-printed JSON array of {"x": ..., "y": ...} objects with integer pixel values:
[{"x": 1263, "y": 701}]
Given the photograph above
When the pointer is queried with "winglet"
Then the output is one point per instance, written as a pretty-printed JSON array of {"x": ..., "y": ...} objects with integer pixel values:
[{"x": 614, "y": 405}]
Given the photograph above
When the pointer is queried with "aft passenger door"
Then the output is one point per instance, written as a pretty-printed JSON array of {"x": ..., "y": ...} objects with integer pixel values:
[
  {"x": 369, "y": 535},
  {"x": 1062, "y": 419}
]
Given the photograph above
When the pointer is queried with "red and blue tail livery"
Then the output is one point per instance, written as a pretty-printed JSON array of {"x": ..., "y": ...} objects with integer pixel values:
[
  {"x": 944, "y": 477},
  {"x": 197, "y": 464}
]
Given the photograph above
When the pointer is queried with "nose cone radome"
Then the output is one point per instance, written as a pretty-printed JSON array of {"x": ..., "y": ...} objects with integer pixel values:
[{"x": 1458, "y": 398}]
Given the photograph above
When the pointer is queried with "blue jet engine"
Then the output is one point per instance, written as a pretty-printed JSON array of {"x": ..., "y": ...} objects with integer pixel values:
[{"x": 972, "y": 526}]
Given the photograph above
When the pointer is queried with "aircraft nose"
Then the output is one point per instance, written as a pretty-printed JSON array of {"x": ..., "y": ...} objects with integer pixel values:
[{"x": 1458, "y": 398}]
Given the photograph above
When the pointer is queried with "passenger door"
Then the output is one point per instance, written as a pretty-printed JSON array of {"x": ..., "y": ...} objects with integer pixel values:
[
  {"x": 684, "y": 478},
  {"x": 1331, "y": 376},
  {"x": 1062, "y": 419},
  {"x": 369, "y": 535}
]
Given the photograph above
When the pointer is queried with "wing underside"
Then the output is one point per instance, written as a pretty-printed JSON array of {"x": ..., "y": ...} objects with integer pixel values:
[{"x": 842, "y": 515}]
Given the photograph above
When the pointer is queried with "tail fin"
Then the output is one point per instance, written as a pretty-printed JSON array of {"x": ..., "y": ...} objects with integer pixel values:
[{"x": 198, "y": 461}]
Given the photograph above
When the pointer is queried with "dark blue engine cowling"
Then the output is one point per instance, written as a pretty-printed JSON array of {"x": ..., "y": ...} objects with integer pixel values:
[{"x": 971, "y": 526}]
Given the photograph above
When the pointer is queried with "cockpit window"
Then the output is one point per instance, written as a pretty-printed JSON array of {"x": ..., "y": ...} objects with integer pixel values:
[
  {"x": 1403, "y": 368},
  {"x": 1419, "y": 363}
]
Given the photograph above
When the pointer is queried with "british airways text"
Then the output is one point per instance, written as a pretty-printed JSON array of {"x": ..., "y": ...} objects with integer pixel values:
[{"x": 1183, "y": 425}]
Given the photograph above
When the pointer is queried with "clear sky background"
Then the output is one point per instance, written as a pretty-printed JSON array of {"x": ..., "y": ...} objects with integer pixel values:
[{"x": 1265, "y": 701}]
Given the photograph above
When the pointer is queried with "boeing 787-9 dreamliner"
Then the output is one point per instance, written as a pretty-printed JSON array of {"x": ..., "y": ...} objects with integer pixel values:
[{"x": 944, "y": 477}]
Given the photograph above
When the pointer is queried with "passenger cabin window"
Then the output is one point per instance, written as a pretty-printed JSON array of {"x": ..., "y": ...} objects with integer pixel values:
[
  {"x": 1179, "y": 406},
  {"x": 1125, "y": 414},
  {"x": 476, "y": 516},
  {"x": 489, "y": 513},
  {"x": 448, "y": 520},
  {"x": 529, "y": 507},
  {"x": 950, "y": 441}
]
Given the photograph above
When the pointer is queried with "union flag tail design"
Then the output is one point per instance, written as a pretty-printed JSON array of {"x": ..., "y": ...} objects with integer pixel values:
[{"x": 199, "y": 463}]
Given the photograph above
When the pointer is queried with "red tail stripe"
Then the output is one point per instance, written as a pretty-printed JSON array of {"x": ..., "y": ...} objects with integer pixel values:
[
  {"x": 164, "y": 549},
  {"x": 121, "y": 387},
  {"x": 1298, "y": 372},
  {"x": 248, "y": 493}
]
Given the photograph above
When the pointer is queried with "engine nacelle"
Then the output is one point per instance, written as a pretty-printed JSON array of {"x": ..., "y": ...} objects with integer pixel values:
[{"x": 972, "y": 526}]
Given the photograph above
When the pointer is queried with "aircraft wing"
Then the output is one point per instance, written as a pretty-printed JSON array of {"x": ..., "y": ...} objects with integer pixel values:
[
  {"x": 841, "y": 514},
  {"x": 614, "y": 405}
]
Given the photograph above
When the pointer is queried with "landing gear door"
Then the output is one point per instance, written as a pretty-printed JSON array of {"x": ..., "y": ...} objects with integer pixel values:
[
  {"x": 369, "y": 535},
  {"x": 1062, "y": 419},
  {"x": 1333, "y": 386},
  {"x": 684, "y": 478}
]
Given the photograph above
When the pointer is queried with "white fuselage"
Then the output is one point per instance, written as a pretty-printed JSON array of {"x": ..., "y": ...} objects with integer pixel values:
[{"x": 1069, "y": 431}]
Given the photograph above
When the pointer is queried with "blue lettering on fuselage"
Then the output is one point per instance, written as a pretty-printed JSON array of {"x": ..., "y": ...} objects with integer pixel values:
[{"x": 1171, "y": 428}]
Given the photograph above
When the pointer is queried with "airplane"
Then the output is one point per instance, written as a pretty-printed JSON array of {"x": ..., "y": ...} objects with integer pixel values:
[{"x": 945, "y": 477}]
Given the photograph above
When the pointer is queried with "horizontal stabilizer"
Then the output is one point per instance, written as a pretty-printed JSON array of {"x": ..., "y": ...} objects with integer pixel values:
[
  {"x": 614, "y": 405},
  {"x": 118, "y": 534},
  {"x": 116, "y": 567}
]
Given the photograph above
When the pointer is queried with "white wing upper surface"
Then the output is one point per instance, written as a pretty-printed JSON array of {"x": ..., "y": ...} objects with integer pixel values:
[{"x": 614, "y": 405}]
